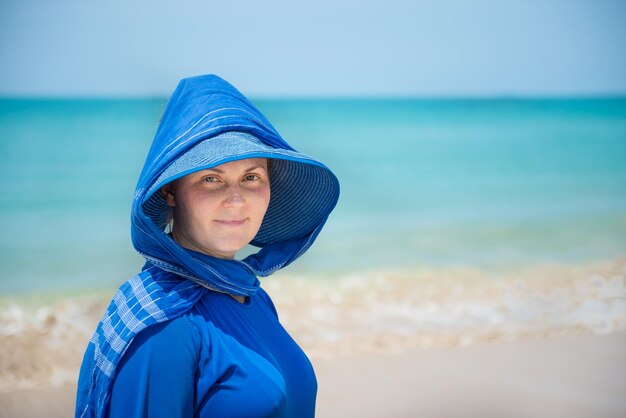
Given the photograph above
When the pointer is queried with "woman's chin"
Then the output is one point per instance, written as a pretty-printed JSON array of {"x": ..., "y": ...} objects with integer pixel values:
[{"x": 225, "y": 251}]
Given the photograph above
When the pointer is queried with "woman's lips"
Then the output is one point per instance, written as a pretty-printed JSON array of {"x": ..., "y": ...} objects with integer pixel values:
[{"x": 231, "y": 222}]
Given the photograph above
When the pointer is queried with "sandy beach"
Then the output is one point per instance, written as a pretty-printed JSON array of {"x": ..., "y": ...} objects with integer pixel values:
[
  {"x": 567, "y": 376},
  {"x": 546, "y": 341}
]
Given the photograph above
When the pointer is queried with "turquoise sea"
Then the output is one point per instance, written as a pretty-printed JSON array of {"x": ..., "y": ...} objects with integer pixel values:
[
  {"x": 460, "y": 221},
  {"x": 425, "y": 183}
]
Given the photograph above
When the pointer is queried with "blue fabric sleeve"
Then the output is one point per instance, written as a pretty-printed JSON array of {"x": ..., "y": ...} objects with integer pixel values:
[{"x": 156, "y": 377}]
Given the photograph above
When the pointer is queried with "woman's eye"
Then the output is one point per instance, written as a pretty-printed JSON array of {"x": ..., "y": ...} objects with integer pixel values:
[
  {"x": 251, "y": 177},
  {"x": 211, "y": 179}
]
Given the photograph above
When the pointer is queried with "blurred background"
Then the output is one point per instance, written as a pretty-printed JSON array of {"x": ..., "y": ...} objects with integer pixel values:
[{"x": 480, "y": 146}]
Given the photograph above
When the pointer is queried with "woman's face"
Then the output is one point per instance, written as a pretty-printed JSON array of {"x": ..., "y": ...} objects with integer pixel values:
[{"x": 219, "y": 211}]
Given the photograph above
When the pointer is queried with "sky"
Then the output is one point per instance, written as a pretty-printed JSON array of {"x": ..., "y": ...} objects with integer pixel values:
[{"x": 285, "y": 48}]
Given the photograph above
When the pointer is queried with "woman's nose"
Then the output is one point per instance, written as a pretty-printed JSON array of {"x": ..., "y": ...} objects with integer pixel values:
[{"x": 234, "y": 197}]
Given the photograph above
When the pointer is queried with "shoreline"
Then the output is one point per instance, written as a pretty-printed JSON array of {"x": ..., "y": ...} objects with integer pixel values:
[
  {"x": 42, "y": 341},
  {"x": 566, "y": 376}
]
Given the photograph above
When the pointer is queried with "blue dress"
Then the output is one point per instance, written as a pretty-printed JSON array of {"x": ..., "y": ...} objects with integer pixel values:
[{"x": 222, "y": 358}]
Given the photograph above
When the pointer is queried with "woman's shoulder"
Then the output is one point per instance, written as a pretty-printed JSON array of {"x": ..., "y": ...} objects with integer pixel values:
[{"x": 267, "y": 301}]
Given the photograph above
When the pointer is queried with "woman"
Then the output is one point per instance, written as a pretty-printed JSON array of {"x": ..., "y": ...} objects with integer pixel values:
[{"x": 194, "y": 334}]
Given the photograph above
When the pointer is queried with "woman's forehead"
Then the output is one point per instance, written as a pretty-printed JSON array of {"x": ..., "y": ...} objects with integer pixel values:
[
  {"x": 237, "y": 165},
  {"x": 234, "y": 167}
]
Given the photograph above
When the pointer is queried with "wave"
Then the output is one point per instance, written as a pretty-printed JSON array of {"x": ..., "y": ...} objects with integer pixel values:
[{"x": 386, "y": 311}]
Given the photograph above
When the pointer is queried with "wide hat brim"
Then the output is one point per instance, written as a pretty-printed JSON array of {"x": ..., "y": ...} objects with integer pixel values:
[{"x": 303, "y": 190}]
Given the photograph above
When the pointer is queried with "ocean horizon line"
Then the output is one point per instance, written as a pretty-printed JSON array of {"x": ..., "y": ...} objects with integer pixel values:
[{"x": 334, "y": 98}]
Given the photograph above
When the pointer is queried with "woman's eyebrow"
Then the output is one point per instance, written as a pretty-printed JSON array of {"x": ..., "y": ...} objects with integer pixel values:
[{"x": 254, "y": 167}]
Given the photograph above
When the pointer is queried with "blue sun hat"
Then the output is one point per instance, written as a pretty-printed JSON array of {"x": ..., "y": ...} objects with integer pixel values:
[
  {"x": 302, "y": 188},
  {"x": 208, "y": 122}
]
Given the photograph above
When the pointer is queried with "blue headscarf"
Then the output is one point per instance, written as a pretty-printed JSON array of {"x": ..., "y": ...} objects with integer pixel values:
[{"x": 204, "y": 117}]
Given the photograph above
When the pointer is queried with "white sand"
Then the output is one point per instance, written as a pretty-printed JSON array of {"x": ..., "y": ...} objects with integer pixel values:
[{"x": 568, "y": 376}]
